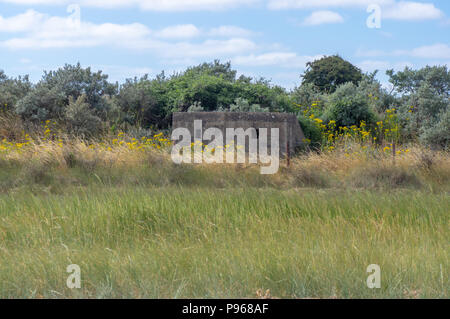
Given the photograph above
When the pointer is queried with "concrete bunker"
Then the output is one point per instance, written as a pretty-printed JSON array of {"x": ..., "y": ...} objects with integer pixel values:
[{"x": 290, "y": 133}]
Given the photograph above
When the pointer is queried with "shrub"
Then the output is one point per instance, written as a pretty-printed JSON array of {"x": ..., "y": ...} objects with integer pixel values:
[
  {"x": 80, "y": 119},
  {"x": 304, "y": 177},
  {"x": 311, "y": 131},
  {"x": 438, "y": 135},
  {"x": 49, "y": 98},
  {"x": 421, "y": 111},
  {"x": 384, "y": 177},
  {"x": 11, "y": 127},
  {"x": 196, "y": 107},
  {"x": 37, "y": 173},
  {"x": 142, "y": 102},
  {"x": 73, "y": 80},
  {"x": 349, "y": 106},
  {"x": 42, "y": 103},
  {"x": 79, "y": 160},
  {"x": 12, "y": 90},
  {"x": 242, "y": 105},
  {"x": 308, "y": 94},
  {"x": 424, "y": 106}
]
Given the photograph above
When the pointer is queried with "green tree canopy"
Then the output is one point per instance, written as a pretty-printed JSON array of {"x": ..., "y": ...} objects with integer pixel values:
[
  {"x": 51, "y": 95},
  {"x": 329, "y": 72},
  {"x": 143, "y": 102},
  {"x": 12, "y": 90},
  {"x": 348, "y": 106},
  {"x": 409, "y": 81},
  {"x": 424, "y": 104},
  {"x": 208, "y": 86}
]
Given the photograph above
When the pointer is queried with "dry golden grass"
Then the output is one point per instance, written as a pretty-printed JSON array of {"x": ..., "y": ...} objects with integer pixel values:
[
  {"x": 141, "y": 226},
  {"x": 362, "y": 168}
]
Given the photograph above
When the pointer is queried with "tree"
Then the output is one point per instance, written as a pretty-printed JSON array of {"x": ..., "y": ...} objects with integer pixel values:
[
  {"x": 42, "y": 103},
  {"x": 329, "y": 72},
  {"x": 143, "y": 102},
  {"x": 348, "y": 106},
  {"x": 50, "y": 96},
  {"x": 73, "y": 80},
  {"x": 422, "y": 110},
  {"x": 409, "y": 81},
  {"x": 80, "y": 119},
  {"x": 438, "y": 135},
  {"x": 3, "y": 76},
  {"x": 211, "y": 91},
  {"x": 215, "y": 86},
  {"x": 262, "y": 92},
  {"x": 211, "y": 84},
  {"x": 424, "y": 103},
  {"x": 379, "y": 98},
  {"x": 242, "y": 105},
  {"x": 308, "y": 94},
  {"x": 216, "y": 69},
  {"x": 12, "y": 90}
]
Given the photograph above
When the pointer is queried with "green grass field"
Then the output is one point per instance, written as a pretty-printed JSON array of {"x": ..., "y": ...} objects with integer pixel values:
[
  {"x": 178, "y": 242},
  {"x": 140, "y": 226}
]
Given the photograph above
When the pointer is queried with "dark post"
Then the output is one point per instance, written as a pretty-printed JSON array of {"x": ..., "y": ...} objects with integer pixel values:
[
  {"x": 393, "y": 153},
  {"x": 288, "y": 159}
]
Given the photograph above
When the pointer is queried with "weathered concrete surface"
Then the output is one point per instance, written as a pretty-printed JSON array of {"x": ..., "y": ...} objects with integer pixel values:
[{"x": 291, "y": 134}]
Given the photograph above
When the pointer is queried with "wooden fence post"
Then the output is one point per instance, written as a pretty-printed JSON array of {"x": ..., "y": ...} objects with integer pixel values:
[
  {"x": 288, "y": 159},
  {"x": 393, "y": 153}
]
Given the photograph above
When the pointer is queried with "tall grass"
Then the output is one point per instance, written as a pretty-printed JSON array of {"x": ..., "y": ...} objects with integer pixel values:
[
  {"x": 59, "y": 163},
  {"x": 140, "y": 226},
  {"x": 177, "y": 242}
]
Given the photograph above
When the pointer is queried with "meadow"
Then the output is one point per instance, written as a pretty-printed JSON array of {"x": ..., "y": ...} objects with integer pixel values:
[
  {"x": 140, "y": 226},
  {"x": 86, "y": 178}
]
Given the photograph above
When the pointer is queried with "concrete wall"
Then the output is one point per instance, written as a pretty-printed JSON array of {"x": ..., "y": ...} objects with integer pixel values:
[{"x": 289, "y": 128}]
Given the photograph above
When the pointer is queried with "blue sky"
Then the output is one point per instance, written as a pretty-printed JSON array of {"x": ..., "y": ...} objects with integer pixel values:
[{"x": 269, "y": 38}]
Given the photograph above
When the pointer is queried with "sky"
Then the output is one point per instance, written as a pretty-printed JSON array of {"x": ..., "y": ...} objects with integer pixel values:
[{"x": 261, "y": 38}]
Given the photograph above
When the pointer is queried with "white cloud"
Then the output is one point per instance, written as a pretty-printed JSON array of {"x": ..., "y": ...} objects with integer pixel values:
[
  {"x": 308, "y": 4},
  {"x": 289, "y": 80},
  {"x": 189, "y": 5},
  {"x": 59, "y": 32},
  {"x": 21, "y": 22},
  {"x": 405, "y": 10},
  {"x": 47, "y": 32},
  {"x": 230, "y": 31},
  {"x": 435, "y": 51},
  {"x": 391, "y": 9},
  {"x": 282, "y": 59},
  {"x": 372, "y": 65},
  {"x": 370, "y": 53},
  {"x": 149, "y": 5},
  {"x": 179, "y": 31},
  {"x": 121, "y": 72},
  {"x": 191, "y": 31},
  {"x": 323, "y": 17},
  {"x": 35, "y": 2},
  {"x": 208, "y": 48}
]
